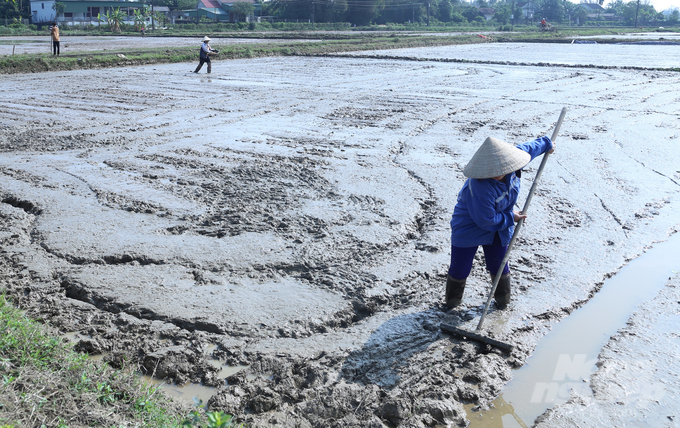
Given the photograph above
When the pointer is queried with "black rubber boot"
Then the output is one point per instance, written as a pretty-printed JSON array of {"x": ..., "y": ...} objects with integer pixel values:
[
  {"x": 502, "y": 294},
  {"x": 454, "y": 291}
]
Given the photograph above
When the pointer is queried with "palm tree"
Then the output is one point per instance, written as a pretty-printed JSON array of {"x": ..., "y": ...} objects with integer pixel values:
[
  {"x": 114, "y": 17},
  {"x": 58, "y": 8},
  {"x": 140, "y": 19},
  {"x": 242, "y": 8},
  {"x": 160, "y": 17}
]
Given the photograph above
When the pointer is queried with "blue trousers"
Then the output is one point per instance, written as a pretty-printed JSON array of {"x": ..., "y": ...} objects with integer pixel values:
[{"x": 462, "y": 258}]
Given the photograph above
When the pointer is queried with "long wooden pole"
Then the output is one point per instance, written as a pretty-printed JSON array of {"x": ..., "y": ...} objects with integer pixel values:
[{"x": 521, "y": 222}]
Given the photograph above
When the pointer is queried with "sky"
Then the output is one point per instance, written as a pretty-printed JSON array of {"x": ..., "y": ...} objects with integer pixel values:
[{"x": 659, "y": 5}]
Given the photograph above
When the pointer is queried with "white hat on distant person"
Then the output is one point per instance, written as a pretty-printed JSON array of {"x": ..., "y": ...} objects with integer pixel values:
[
  {"x": 206, "y": 39},
  {"x": 495, "y": 158}
]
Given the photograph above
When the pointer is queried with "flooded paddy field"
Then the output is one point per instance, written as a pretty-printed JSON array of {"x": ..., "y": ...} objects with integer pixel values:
[
  {"x": 284, "y": 223},
  {"x": 663, "y": 53},
  {"x": 75, "y": 44}
]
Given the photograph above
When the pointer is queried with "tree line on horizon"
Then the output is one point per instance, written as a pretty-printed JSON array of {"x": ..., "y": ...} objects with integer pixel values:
[{"x": 369, "y": 12}]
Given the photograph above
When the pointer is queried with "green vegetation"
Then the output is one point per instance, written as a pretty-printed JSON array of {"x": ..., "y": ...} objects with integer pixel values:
[
  {"x": 361, "y": 13},
  {"x": 45, "y": 383},
  {"x": 114, "y": 18}
]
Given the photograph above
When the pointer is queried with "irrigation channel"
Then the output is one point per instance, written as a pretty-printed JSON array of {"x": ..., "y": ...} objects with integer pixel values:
[{"x": 565, "y": 359}]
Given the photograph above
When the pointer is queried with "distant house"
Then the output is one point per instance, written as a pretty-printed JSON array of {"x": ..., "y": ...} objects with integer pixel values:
[
  {"x": 488, "y": 12},
  {"x": 162, "y": 9},
  {"x": 596, "y": 11},
  {"x": 527, "y": 8},
  {"x": 79, "y": 12},
  {"x": 217, "y": 10},
  {"x": 592, "y": 8}
]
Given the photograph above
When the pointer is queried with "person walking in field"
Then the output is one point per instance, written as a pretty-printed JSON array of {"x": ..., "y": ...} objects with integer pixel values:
[
  {"x": 204, "y": 57},
  {"x": 54, "y": 34},
  {"x": 484, "y": 213}
]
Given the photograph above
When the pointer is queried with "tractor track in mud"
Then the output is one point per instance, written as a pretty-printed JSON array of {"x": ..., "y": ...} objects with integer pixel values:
[{"x": 300, "y": 226}]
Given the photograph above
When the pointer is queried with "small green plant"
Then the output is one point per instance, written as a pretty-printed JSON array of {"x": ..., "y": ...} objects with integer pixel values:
[
  {"x": 194, "y": 418},
  {"x": 105, "y": 393},
  {"x": 6, "y": 380},
  {"x": 216, "y": 419},
  {"x": 219, "y": 420}
]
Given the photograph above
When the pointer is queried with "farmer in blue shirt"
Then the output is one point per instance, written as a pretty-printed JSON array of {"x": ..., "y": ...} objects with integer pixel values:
[{"x": 484, "y": 213}]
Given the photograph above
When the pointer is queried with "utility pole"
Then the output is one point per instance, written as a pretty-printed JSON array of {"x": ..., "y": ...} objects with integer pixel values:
[
  {"x": 512, "y": 13},
  {"x": 636, "y": 12},
  {"x": 428, "y": 13}
]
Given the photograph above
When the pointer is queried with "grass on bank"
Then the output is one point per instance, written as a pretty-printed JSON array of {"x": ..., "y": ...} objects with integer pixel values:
[
  {"x": 44, "y": 383},
  {"x": 338, "y": 30}
]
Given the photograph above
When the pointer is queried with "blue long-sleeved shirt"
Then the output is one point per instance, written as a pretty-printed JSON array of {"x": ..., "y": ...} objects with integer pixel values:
[{"x": 485, "y": 206}]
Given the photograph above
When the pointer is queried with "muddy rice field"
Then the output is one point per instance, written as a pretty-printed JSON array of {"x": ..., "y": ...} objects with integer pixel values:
[{"x": 276, "y": 234}]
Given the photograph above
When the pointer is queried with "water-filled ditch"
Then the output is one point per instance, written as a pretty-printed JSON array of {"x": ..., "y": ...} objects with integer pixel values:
[{"x": 567, "y": 356}]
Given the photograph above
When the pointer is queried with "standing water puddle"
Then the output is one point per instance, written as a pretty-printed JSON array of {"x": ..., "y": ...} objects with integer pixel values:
[
  {"x": 193, "y": 393},
  {"x": 567, "y": 356},
  {"x": 196, "y": 393}
]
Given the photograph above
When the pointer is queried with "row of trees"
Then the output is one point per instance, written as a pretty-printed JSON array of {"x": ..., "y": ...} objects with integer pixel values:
[
  {"x": 644, "y": 12},
  {"x": 366, "y": 12},
  {"x": 629, "y": 13},
  {"x": 114, "y": 18}
]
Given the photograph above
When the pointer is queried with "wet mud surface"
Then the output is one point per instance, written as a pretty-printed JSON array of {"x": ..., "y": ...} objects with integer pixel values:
[
  {"x": 292, "y": 215},
  {"x": 72, "y": 44},
  {"x": 663, "y": 53}
]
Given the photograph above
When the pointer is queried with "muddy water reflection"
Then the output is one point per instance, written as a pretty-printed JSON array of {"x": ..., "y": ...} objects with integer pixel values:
[
  {"x": 195, "y": 393},
  {"x": 198, "y": 394},
  {"x": 566, "y": 358}
]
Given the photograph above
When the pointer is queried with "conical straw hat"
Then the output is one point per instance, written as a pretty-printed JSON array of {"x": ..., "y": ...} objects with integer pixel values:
[{"x": 495, "y": 158}]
